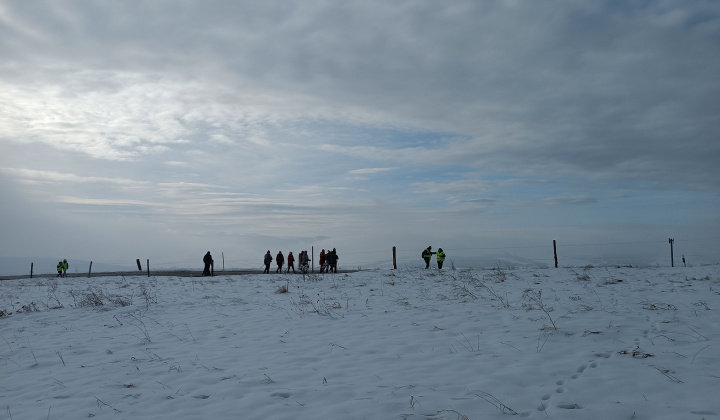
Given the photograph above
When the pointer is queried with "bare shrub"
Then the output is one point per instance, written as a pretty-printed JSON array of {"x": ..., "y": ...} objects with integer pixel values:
[
  {"x": 461, "y": 290},
  {"x": 88, "y": 298},
  {"x": 585, "y": 276},
  {"x": 650, "y": 306},
  {"x": 495, "y": 402},
  {"x": 147, "y": 296},
  {"x": 30, "y": 307},
  {"x": 482, "y": 284},
  {"x": 283, "y": 288},
  {"x": 53, "y": 302},
  {"x": 536, "y": 299},
  {"x": 498, "y": 275},
  {"x": 118, "y": 300},
  {"x": 96, "y": 297}
]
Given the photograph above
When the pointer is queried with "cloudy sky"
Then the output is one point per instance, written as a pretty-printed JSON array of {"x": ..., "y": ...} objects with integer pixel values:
[{"x": 163, "y": 129}]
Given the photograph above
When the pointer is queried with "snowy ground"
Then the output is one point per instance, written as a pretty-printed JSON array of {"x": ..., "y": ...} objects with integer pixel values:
[{"x": 630, "y": 343}]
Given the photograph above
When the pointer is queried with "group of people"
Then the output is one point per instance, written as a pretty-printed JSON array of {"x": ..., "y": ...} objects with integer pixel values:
[
  {"x": 303, "y": 258},
  {"x": 439, "y": 256},
  {"x": 328, "y": 261},
  {"x": 62, "y": 268}
]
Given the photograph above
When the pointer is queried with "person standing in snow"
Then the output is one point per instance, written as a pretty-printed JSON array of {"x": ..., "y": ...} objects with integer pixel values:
[
  {"x": 59, "y": 268},
  {"x": 207, "y": 259},
  {"x": 332, "y": 258},
  {"x": 306, "y": 258},
  {"x": 426, "y": 255},
  {"x": 267, "y": 261},
  {"x": 305, "y": 262},
  {"x": 291, "y": 262},
  {"x": 440, "y": 256},
  {"x": 65, "y": 267},
  {"x": 280, "y": 260},
  {"x": 322, "y": 261}
]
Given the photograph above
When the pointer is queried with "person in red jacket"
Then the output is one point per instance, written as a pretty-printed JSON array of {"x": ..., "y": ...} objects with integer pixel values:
[
  {"x": 322, "y": 261},
  {"x": 291, "y": 262}
]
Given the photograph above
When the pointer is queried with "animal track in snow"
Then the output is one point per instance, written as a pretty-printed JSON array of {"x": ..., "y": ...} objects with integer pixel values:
[{"x": 560, "y": 389}]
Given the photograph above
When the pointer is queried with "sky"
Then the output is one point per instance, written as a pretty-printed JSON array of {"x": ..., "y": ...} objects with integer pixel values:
[{"x": 164, "y": 129}]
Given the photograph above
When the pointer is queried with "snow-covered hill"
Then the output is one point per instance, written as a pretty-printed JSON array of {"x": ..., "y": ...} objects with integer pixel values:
[{"x": 567, "y": 343}]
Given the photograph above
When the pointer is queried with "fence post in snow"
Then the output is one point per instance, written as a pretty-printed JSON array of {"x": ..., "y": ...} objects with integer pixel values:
[
  {"x": 555, "y": 252},
  {"x": 139, "y": 265},
  {"x": 90, "y": 269},
  {"x": 394, "y": 258},
  {"x": 31, "y": 269},
  {"x": 672, "y": 260},
  {"x": 148, "y": 266}
]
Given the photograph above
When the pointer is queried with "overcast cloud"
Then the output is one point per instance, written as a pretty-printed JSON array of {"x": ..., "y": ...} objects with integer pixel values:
[{"x": 163, "y": 129}]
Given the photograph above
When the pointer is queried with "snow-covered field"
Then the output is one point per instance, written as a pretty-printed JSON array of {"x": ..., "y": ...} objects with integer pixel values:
[{"x": 566, "y": 343}]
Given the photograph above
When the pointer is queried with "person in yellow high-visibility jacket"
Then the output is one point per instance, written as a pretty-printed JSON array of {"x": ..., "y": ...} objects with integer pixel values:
[
  {"x": 440, "y": 255},
  {"x": 65, "y": 267},
  {"x": 426, "y": 255}
]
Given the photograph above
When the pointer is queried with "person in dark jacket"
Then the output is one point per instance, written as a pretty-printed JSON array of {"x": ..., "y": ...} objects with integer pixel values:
[
  {"x": 426, "y": 255},
  {"x": 208, "y": 260},
  {"x": 267, "y": 260},
  {"x": 291, "y": 262},
  {"x": 280, "y": 260},
  {"x": 332, "y": 259}
]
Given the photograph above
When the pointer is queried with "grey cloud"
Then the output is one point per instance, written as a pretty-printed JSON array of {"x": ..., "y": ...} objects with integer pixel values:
[
  {"x": 569, "y": 200},
  {"x": 582, "y": 87},
  {"x": 366, "y": 171}
]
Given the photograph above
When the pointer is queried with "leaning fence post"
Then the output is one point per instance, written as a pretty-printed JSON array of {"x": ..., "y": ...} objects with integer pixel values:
[
  {"x": 139, "y": 265},
  {"x": 90, "y": 269},
  {"x": 31, "y": 269}
]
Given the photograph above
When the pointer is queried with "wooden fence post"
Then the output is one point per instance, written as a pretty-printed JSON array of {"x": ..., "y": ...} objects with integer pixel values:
[
  {"x": 31, "y": 269},
  {"x": 148, "y": 267},
  {"x": 139, "y": 265},
  {"x": 223, "y": 258},
  {"x": 394, "y": 258},
  {"x": 555, "y": 252},
  {"x": 90, "y": 269}
]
